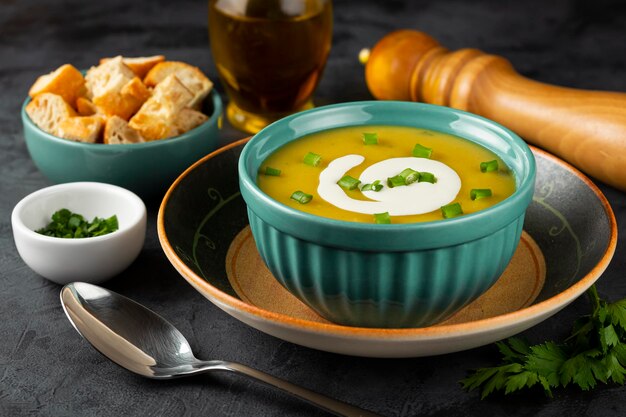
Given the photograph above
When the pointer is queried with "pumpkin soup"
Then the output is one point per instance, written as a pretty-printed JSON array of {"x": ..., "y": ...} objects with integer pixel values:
[{"x": 385, "y": 174}]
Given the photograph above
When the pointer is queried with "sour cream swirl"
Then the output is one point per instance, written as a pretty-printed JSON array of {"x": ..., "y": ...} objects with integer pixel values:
[{"x": 416, "y": 198}]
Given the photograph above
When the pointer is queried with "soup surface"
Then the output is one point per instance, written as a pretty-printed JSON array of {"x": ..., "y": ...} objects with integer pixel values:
[{"x": 446, "y": 177}]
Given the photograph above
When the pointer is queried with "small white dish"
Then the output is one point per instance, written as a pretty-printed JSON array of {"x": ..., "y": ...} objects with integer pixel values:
[{"x": 92, "y": 259}]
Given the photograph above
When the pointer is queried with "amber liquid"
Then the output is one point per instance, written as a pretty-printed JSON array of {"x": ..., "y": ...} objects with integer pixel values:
[{"x": 270, "y": 54}]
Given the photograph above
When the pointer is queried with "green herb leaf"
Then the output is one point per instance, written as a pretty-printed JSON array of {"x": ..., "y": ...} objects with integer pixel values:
[
  {"x": 520, "y": 346},
  {"x": 112, "y": 223},
  {"x": 594, "y": 353},
  {"x": 620, "y": 353},
  {"x": 62, "y": 216},
  {"x": 66, "y": 224},
  {"x": 546, "y": 360},
  {"x": 608, "y": 337},
  {"x": 498, "y": 379},
  {"x": 580, "y": 370},
  {"x": 75, "y": 221},
  {"x": 524, "y": 379},
  {"x": 613, "y": 363},
  {"x": 515, "y": 350},
  {"x": 617, "y": 312}
]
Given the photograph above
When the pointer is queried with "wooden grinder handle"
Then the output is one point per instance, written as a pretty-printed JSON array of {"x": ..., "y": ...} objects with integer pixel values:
[{"x": 585, "y": 128}]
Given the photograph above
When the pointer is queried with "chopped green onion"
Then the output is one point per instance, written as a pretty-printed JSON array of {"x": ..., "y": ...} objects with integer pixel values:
[
  {"x": 375, "y": 186},
  {"x": 274, "y": 172},
  {"x": 420, "y": 151},
  {"x": 382, "y": 218},
  {"x": 489, "y": 166},
  {"x": 478, "y": 193},
  {"x": 348, "y": 182},
  {"x": 410, "y": 176},
  {"x": 395, "y": 181},
  {"x": 312, "y": 159},
  {"x": 301, "y": 197},
  {"x": 451, "y": 210},
  {"x": 370, "y": 138},
  {"x": 427, "y": 177}
]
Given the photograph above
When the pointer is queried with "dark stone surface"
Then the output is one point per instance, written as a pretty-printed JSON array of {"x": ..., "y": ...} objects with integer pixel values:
[{"x": 46, "y": 369}]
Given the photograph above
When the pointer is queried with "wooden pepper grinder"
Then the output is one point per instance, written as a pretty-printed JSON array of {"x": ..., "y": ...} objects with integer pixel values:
[{"x": 585, "y": 128}]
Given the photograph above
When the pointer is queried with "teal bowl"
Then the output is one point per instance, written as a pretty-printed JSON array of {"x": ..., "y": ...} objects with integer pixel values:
[
  {"x": 395, "y": 275},
  {"x": 144, "y": 168}
]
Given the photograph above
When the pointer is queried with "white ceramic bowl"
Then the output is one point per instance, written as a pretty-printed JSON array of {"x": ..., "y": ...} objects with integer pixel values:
[{"x": 92, "y": 259}]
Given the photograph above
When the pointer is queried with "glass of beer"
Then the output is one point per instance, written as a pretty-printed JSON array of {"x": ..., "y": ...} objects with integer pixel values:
[{"x": 270, "y": 55}]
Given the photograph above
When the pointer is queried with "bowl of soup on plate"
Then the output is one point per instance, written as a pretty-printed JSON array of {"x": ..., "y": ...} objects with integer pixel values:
[{"x": 386, "y": 214}]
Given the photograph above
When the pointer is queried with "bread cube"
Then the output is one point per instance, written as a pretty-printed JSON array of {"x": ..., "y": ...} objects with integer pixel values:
[
  {"x": 125, "y": 102},
  {"x": 156, "y": 117},
  {"x": 188, "y": 119},
  {"x": 117, "y": 131},
  {"x": 139, "y": 65},
  {"x": 48, "y": 110},
  {"x": 81, "y": 128},
  {"x": 66, "y": 81},
  {"x": 191, "y": 77}
]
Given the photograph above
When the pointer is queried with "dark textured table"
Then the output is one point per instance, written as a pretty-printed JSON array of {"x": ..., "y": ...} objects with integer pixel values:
[{"x": 46, "y": 369}]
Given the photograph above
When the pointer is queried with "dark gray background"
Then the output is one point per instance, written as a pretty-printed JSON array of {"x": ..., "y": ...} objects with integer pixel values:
[{"x": 46, "y": 369}]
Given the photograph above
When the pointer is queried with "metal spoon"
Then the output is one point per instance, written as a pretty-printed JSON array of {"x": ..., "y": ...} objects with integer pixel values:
[{"x": 143, "y": 342}]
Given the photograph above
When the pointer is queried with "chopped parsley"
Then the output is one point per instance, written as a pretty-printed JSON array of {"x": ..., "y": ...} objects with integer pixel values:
[
  {"x": 66, "y": 224},
  {"x": 594, "y": 353}
]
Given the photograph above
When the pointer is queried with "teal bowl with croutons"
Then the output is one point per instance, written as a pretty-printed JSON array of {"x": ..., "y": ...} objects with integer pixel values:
[
  {"x": 387, "y": 275},
  {"x": 145, "y": 168}
]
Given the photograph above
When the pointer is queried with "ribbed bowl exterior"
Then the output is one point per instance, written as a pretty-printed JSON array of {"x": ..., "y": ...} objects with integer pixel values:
[{"x": 386, "y": 289}]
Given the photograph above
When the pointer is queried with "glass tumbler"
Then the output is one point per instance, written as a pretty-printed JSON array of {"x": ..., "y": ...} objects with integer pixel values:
[{"x": 270, "y": 55}]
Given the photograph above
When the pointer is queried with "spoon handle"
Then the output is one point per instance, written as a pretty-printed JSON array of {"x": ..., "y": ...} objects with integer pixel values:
[{"x": 326, "y": 403}]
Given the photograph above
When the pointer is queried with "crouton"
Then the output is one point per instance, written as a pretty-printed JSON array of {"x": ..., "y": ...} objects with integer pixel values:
[
  {"x": 117, "y": 131},
  {"x": 47, "y": 110},
  {"x": 66, "y": 81},
  {"x": 139, "y": 65},
  {"x": 81, "y": 128},
  {"x": 108, "y": 78},
  {"x": 156, "y": 117},
  {"x": 191, "y": 77},
  {"x": 188, "y": 119},
  {"x": 112, "y": 104},
  {"x": 125, "y": 102},
  {"x": 85, "y": 107}
]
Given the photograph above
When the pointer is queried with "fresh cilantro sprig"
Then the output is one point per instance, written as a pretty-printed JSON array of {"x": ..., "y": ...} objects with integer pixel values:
[
  {"x": 66, "y": 224},
  {"x": 594, "y": 353}
]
